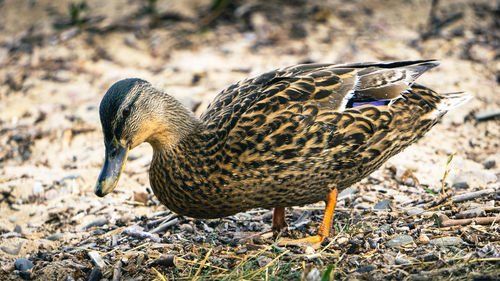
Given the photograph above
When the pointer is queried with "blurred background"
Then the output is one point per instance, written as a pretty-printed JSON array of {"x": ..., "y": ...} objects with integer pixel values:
[{"x": 57, "y": 59}]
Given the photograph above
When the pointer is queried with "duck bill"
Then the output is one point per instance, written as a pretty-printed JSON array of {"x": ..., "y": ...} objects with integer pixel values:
[{"x": 116, "y": 156}]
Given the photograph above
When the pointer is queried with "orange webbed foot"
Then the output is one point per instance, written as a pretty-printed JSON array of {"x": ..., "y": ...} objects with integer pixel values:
[{"x": 316, "y": 239}]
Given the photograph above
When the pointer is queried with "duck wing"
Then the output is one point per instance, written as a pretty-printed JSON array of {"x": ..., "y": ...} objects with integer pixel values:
[{"x": 318, "y": 87}]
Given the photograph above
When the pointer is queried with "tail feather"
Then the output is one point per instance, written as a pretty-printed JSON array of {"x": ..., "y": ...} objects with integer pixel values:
[
  {"x": 452, "y": 100},
  {"x": 448, "y": 102}
]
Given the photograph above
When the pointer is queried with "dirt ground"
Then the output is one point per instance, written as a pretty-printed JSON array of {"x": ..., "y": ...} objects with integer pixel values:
[{"x": 57, "y": 58}]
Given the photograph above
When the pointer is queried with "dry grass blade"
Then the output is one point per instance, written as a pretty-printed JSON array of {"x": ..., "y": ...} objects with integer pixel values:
[
  {"x": 206, "y": 265},
  {"x": 255, "y": 272},
  {"x": 196, "y": 275},
  {"x": 446, "y": 172},
  {"x": 159, "y": 275}
]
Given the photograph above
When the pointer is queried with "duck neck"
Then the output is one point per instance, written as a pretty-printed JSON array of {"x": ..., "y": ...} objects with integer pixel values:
[
  {"x": 177, "y": 128},
  {"x": 178, "y": 173}
]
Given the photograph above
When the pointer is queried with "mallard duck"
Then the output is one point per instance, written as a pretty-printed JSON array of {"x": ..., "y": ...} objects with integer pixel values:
[{"x": 288, "y": 137}]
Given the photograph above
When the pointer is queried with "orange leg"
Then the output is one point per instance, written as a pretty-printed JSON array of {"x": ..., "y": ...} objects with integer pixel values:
[
  {"x": 279, "y": 221},
  {"x": 326, "y": 224}
]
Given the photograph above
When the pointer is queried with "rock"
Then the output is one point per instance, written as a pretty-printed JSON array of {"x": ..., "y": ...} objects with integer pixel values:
[
  {"x": 342, "y": 240},
  {"x": 97, "y": 222},
  {"x": 54, "y": 237},
  {"x": 385, "y": 227},
  {"x": 428, "y": 257},
  {"x": 373, "y": 243},
  {"x": 37, "y": 189},
  {"x": 18, "y": 229},
  {"x": 312, "y": 274},
  {"x": 347, "y": 193},
  {"x": 12, "y": 249},
  {"x": 95, "y": 275},
  {"x": 447, "y": 241},
  {"x": 476, "y": 212},
  {"x": 366, "y": 268},
  {"x": 70, "y": 33},
  {"x": 186, "y": 227},
  {"x": 141, "y": 197},
  {"x": 489, "y": 163},
  {"x": 96, "y": 258},
  {"x": 423, "y": 239},
  {"x": 264, "y": 261},
  {"x": 461, "y": 184},
  {"x": 399, "y": 240},
  {"x": 475, "y": 178},
  {"x": 26, "y": 275},
  {"x": 309, "y": 250},
  {"x": 130, "y": 40},
  {"x": 241, "y": 251},
  {"x": 62, "y": 76},
  {"x": 383, "y": 205},
  {"x": 399, "y": 261},
  {"x": 363, "y": 206},
  {"x": 23, "y": 264},
  {"x": 414, "y": 211}
]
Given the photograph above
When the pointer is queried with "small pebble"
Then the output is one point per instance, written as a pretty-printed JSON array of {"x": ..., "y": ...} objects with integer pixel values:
[
  {"x": 401, "y": 261},
  {"x": 264, "y": 261},
  {"x": 309, "y": 250},
  {"x": 96, "y": 258},
  {"x": 241, "y": 251},
  {"x": 414, "y": 211},
  {"x": 383, "y": 205},
  {"x": 114, "y": 241},
  {"x": 372, "y": 243},
  {"x": 346, "y": 193},
  {"x": 312, "y": 274},
  {"x": 54, "y": 237},
  {"x": 489, "y": 163},
  {"x": 12, "y": 249},
  {"x": 97, "y": 222},
  {"x": 342, "y": 240},
  {"x": 37, "y": 189},
  {"x": 447, "y": 241},
  {"x": 366, "y": 268},
  {"x": 23, "y": 264},
  {"x": 399, "y": 240},
  {"x": 95, "y": 275},
  {"x": 428, "y": 257},
  {"x": 186, "y": 228},
  {"x": 460, "y": 184},
  {"x": 423, "y": 239},
  {"x": 476, "y": 212},
  {"x": 18, "y": 229}
]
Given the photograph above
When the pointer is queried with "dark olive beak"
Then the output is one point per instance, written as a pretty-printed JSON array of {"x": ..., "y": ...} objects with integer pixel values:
[{"x": 116, "y": 156}]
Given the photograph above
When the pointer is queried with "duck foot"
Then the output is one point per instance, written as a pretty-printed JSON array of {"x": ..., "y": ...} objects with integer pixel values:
[
  {"x": 279, "y": 227},
  {"x": 326, "y": 224},
  {"x": 316, "y": 239}
]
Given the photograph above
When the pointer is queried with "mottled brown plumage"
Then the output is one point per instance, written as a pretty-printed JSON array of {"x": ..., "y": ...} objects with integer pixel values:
[{"x": 285, "y": 138}]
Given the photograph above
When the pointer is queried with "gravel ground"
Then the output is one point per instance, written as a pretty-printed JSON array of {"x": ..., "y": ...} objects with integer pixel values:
[{"x": 408, "y": 220}]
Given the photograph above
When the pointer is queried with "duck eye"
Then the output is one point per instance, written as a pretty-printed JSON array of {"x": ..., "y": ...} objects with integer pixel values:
[{"x": 126, "y": 112}]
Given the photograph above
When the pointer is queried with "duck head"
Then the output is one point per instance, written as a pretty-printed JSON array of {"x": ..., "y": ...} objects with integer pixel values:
[{"x": 133, "y": 112}]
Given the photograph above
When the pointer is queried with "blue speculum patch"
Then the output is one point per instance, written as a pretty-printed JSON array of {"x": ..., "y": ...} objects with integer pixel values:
[{"x": 375, "y": 103}]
